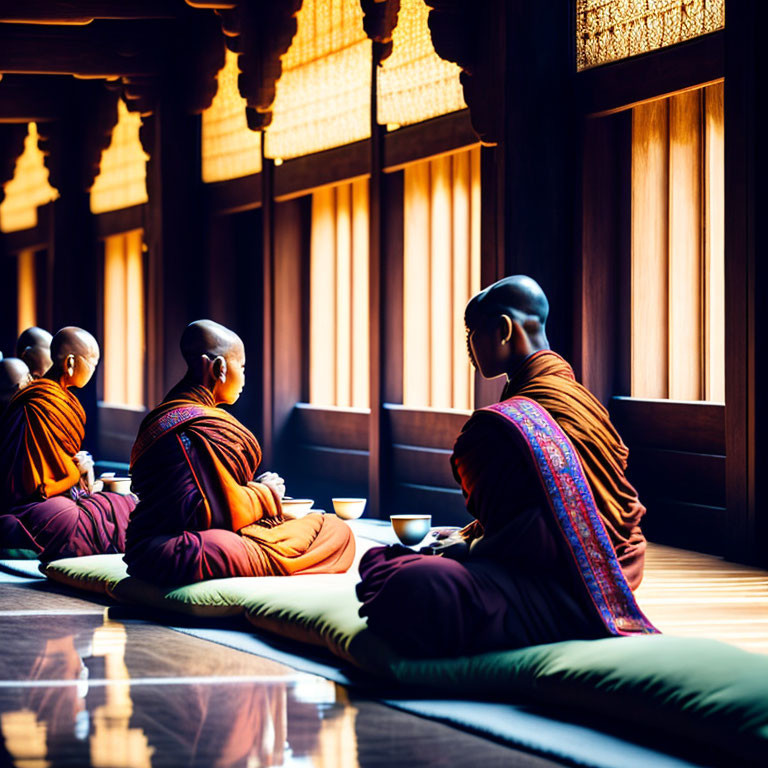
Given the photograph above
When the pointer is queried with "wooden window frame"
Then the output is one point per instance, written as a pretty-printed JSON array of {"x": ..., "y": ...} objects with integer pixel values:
[{"x": 725, "y": 439}]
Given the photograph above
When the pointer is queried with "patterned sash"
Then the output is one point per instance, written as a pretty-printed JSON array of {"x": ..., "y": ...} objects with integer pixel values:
[
  {"x": 573, "y": 506},
  {"x": 166, "y": 422}
]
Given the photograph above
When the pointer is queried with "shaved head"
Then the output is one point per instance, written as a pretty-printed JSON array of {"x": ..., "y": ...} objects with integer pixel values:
[
  {"x": 519, "y": 296},
  {"x": 205, "y": 337},
  {"x": 33, "y": 337},
  {"x": 14, "y": 375},
  {"x": 73, "y": 341}
]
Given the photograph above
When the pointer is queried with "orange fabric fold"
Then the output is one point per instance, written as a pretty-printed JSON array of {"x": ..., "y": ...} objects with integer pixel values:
[
  {"x": 312, "y": 544},
  {"x": 41, "y": 431},
  {"x": 548, "y": 379}
]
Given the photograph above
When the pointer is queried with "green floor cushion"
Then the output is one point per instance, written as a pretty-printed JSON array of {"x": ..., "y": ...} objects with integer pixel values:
[
  {"x": 93, "y": 573},
  {"x": 685, "y": 689},
  {"x": 221, "y": 597}
]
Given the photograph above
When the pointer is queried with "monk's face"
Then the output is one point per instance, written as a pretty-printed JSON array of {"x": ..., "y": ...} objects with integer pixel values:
[
  {"x": 488, "y": 344},
  {"x": 82, "y": 368},
  {"x": 228, "y": 390}
]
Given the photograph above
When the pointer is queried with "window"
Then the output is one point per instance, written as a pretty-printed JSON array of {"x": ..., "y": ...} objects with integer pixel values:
[
  {"x": 230, "y": 148},
  {"x": 607, "y": 30},
  {"x": 122, "y": 179},
  {"x": 339, "y": 363},
  {"x": 678, "y": 293},
  {"x": 441, "y": 273},
  {"x": 28, "y": 189},
  {"x": 414, "y": 83},
  {"x": 123, "y": 348},
  {"x": 323, "y": 98}
]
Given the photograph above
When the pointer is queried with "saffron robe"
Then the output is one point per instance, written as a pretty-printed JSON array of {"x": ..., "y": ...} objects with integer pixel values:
[
  {"x": 45, "y": 506},
  {"x": 201, "y": 516},
  {"x": 542, "y": 568},
  {"x": 548, "y": 379}
]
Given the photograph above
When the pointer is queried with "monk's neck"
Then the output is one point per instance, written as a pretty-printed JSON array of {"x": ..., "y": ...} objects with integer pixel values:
[{"x": 58, "y": 377}]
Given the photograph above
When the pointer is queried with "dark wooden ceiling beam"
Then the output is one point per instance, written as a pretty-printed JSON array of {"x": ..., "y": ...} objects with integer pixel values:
[
  {"x": 85, "y": 11},
  {"x": 24, "y": 99},
  {"x": 101, "y": 49}
]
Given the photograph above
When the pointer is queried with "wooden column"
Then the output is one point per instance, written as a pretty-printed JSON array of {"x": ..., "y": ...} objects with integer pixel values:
[
  {"x": 267, "y": 293},
  {"x": 540, "y": 150},
  {"x": 377, "y": 438},
  {"x": 746, "y": 281},
  {"x": 175, "y": 285}
]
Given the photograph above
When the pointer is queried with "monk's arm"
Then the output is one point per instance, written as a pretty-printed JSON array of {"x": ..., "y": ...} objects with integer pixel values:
[{"x": 228, "y": 504}]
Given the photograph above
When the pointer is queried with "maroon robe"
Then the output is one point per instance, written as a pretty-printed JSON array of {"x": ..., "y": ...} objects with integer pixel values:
[
  {"x": 45, "y": 507},
  {"x": 201, "y": 516},
  {"x": 525, "y": 579}
]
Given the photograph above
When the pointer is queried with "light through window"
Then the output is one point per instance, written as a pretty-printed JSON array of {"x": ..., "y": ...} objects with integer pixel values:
[
  {"x": 123, "y": 348},
  {"x": 441, "y": 273},
  {"x": 339, "y": 296},
  {"x": 678, "y": 267}
]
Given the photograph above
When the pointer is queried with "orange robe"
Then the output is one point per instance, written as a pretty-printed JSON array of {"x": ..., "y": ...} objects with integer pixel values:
[
  {"x": 201, "y": 516},
  {"x": 45, "y": 507},
  {"x": 548, "y": 379}
]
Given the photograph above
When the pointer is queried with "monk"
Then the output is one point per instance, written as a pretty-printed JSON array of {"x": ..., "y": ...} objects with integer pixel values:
[
  {"x": 46, "y": 481},
  {"x": 14, "y": 375},
  {"x": 538, "y": 564},
  {"x": 202, "y": 512},
  {"x": 34, "y": 348}
]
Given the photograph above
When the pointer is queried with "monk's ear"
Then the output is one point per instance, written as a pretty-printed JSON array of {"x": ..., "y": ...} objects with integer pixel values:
[
  {"x": 220, "y": 368},
  {"x": 69, "y": 365},
  {"x": 507, "y": 327}
]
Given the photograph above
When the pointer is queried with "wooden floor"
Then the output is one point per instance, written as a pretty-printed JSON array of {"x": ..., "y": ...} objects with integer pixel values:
[
  {"x": 694, "y": 595},
  {"x": 79, "y": 688}
]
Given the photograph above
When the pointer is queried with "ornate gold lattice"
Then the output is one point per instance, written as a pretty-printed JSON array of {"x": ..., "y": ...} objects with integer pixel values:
[
  {"x": 414, "y": 83},
  {"x": 122, "y": 179},
  {"x": 324, "y": 94},
  {"x": 608, "y": 30},
  {"x": 230, "y": 148},
  {"x": 28, "y": 188}
]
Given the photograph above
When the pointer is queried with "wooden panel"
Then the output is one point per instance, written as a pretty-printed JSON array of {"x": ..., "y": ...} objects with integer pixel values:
[
  {"x": 685, "y": 278},
  {"x": 446, "y": 506},
  {"x": 427, "y": 429},
  {"x": 304, "y": 174},
  {"x": 695, "y": 427},
  {"x": 291, "y": 244},
  {"x": 603, "y": 196},
  {"x": 424, "y": 466},
  {"x": 690, "y": 477},
  {"x": 432, "y": 137},
  {"x": 649, "y": 334},
  {"x": 117, "y": 222},
  {"x": 692, "y": 526},
  {"x": 333, "y": 427},
  {"x": 234, "y": 195},
  {"x": 631, "y": 81},
  {"x": 339, "y": 464},
  {"x": 118, "y": 428},
  {"x": 343, "y": 319}
]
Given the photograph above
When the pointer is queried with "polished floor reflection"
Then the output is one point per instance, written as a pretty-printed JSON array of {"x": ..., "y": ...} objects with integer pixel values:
[{"x": 80, "y": 689}]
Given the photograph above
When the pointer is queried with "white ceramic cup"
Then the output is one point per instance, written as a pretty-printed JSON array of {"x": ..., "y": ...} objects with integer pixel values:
[
  {"x": 411, "y": 529},
  {"x": 121, "y": 485},
  {"x": 347, "y": 508},
  {"x": 297, "y": 507}
]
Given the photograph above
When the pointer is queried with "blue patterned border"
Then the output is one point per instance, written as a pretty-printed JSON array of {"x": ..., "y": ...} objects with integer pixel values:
[{"x": 573, "y": 505}]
